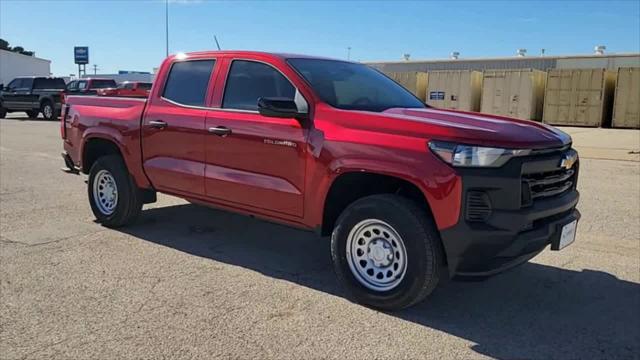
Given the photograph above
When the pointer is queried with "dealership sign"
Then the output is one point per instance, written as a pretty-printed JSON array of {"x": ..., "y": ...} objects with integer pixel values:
[{"x": 81, "y": 54}]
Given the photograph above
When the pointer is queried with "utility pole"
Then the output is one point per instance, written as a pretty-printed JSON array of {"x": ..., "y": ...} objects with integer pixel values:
[
  {"x": 166, "y": 27},
  {"x": 348, "y": 52},
  {"x": 95, "y": 69}
]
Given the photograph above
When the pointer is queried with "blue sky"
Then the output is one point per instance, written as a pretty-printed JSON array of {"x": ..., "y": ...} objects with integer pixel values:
[{"x": 129, "y": 35}]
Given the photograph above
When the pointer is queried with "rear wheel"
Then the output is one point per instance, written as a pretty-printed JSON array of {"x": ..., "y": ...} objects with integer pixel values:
[
  {"x": 114, "y": 197},
  {"x": 47, "y": 110},
  {"x": 32, "y": 114},
  {"x": 387, "y": 252}
]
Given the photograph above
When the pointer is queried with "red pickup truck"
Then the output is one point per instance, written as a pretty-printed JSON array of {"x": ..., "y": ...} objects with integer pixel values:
[
  {"x": 127, "y": 88},
  {"x": 410, "y": 195}
]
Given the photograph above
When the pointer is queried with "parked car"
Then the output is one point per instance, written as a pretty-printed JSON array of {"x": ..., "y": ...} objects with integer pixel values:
[
  {"x": 410, "y": 195},
  {"x": 89, "y": 86},
  {"x": 128, "y": 88},
  {"x": 33, "y": 95}
]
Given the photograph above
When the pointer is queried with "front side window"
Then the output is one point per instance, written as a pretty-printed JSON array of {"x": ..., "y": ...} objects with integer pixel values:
[
  {"x": 26, "y": 84},
  {"x": 82, "y": 85},
  {"x": 249, "y": 80},
  {"x": 187, "y": 82},
  {"x": 72, "y": 85},
  {"x": 351, "y": 86},
  {"x": 144, "y": 86},
  {"x": 15, "y": 84}
]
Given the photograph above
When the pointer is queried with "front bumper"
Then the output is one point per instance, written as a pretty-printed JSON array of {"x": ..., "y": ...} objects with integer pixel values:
[{"x": 512, "y": 228}]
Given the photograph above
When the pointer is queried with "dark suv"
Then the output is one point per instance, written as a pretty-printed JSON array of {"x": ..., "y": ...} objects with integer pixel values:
[{"x": 33, "y": 95}]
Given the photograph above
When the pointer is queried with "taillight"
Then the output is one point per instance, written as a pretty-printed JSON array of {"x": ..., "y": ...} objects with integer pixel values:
[{"x": 63, "y": 120}]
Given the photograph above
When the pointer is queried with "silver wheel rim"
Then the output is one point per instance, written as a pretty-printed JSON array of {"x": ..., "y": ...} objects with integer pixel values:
[
  {"x": 376, "y": 255},
  {"x": 105, "y": 192},
  {"x": 47, "y": 111}
]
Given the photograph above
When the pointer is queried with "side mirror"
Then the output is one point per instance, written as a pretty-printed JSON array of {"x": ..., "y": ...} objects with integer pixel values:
[{"x": 281, "y": 108}]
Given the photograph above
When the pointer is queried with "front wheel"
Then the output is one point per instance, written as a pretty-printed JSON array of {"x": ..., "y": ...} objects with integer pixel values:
[
  {"x": 32, "y": 114},
  {"x": 3, "y": 112},
  {"x": 386, "y": 252},
  {"x": 114, "y": 197}
]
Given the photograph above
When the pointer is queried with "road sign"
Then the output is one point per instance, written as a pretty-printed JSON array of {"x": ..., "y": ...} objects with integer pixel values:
[{"x": 81, "y": 54}]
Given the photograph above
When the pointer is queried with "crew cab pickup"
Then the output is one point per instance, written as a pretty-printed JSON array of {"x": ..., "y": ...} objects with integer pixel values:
[
  {"x": 128, "y": 88},
  {"x": 33, "y": 95},
  {"x": 410, "y": 195}
]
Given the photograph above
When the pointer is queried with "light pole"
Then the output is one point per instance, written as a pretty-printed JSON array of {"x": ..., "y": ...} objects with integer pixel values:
[{"x": 166, "y": 27}]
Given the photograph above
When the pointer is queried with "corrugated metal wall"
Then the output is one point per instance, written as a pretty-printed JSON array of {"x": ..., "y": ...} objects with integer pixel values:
[{"x": 609, "y": 62}]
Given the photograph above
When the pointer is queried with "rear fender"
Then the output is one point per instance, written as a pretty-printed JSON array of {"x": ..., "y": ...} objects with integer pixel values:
[{"x": 130, "y": 153}]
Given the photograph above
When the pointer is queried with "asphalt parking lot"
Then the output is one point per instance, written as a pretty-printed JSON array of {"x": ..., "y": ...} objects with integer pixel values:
[{"x": 192, "y": 282}]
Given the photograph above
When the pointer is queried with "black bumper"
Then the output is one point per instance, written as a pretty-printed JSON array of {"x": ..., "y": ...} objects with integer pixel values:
[{"x": 500, "y": 225}]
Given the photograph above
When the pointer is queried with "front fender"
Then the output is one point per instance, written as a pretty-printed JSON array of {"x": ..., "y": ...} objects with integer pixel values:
[{"x": 439, "y": 184}]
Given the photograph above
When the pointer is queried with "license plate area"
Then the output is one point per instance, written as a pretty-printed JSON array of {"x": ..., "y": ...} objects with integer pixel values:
[{"x": 566, "y": 235}]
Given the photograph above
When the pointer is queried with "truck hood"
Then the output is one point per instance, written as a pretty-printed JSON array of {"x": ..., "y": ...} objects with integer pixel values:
[{"x": 478, "y": 129}]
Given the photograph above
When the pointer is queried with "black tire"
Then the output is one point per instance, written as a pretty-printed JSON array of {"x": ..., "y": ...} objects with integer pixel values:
[
  {"x": 32, "y": 114},
  {"x": 3, "y": 112},
  {"x": 129, "y": 197},
  {"x": 48, "y": 110},
  {"x": 424, "y": 253}
]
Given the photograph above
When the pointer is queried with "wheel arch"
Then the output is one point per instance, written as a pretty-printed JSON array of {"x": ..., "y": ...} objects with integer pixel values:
[
  {"x": 350, "y": 186},
  {"x": 95, "y": 147}
]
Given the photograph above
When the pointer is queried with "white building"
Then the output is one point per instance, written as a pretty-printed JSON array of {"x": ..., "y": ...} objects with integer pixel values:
[{"x": 14, "y": 64}]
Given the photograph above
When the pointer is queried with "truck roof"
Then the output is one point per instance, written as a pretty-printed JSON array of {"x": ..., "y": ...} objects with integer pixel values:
[{"x": 256, "y": 53}]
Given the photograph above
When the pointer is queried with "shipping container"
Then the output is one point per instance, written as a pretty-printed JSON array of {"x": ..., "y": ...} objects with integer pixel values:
[
  {"x": 414, "y": 81},
  {"x": 579, "y": 97},
  {"x": 626, "y": 109},
  {"x": 458, "y": 90},
  {"x": 513, "y": 93}
]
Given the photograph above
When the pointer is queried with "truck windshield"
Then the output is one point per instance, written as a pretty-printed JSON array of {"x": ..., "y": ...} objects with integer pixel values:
[
  {"x": 352, "y": 86},
  {"x": 103, "y": 84}
]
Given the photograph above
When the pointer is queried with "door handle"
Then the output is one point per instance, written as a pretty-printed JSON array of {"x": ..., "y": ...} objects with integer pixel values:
[
  {"x": 158, "y": 124},
  {"x": 220, "y": 131}
]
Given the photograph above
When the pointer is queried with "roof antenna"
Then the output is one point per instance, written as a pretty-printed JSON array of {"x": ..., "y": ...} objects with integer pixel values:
[{"x": 217, "y": 44}]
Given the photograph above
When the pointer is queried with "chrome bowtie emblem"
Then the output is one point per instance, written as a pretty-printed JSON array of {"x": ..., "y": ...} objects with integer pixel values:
[{"x": 568, "y": 160}]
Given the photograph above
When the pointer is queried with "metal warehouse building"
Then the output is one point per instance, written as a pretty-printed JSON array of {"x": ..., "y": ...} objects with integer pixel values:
[
  {"x": 609, "y": 61},
  {"x": 13, "y": 65}
]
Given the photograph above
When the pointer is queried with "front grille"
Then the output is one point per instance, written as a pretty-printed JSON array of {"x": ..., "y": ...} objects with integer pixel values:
[{"x": 546, "y": 184}]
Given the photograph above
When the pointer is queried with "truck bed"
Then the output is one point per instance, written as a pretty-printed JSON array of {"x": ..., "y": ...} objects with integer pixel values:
[{"x": 109, "y": 118}]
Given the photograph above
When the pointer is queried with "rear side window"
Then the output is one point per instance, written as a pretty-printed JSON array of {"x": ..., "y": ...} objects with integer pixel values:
[
  {"x": 144, "y": 86},
  {"x": 187, "y": 82},
  {"x": 45, "y": 83},
  {"x": 103, "y": 84},
  {"x": 248, "y": 81}
]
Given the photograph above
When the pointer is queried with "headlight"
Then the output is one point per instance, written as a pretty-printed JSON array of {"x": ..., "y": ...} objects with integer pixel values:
[{"x": 474, "y": 156}]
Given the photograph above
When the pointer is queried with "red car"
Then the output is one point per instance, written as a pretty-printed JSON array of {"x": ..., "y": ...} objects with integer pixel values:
[
  {"x": 128, "y": 88},
  {"x": 410, "y": 195}
]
